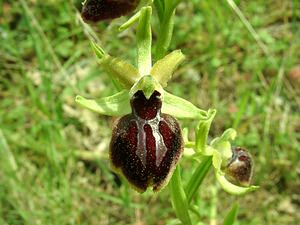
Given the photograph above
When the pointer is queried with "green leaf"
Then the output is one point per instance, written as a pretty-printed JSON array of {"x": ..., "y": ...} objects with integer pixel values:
[
  {"x": 115, "y": 105},
  {"x": 148, "y": 85},
  {"x": 121, "y": 71},
  {"x": 164, "y": 68},
  {"x": 166, "y": 28},
  {"x": 98, "y": 50},
  {"x": 160, "y": 7},
  {"x": 144, "y": 41},
  {"x": 169, "y": 5},
  {"x": 197, "y": 178},
  {"x": 231, "y": 216},
  {"x": 181, "y": 108},
  {"x": 202, "y": 131},
  {"x": 231, "y": 188},
  {"x": 130, "y": 22},
  {"x": 178, "y": 197}
]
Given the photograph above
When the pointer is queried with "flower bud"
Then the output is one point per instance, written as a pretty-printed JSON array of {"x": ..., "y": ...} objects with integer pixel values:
[
  {"x": 146, "y": 144},
  {"x": 240, "y": 166},
  {"x": 96, "y": 10}
]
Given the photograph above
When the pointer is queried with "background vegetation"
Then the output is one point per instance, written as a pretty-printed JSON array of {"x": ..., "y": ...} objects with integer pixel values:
[{"x": 47, "y": 142}]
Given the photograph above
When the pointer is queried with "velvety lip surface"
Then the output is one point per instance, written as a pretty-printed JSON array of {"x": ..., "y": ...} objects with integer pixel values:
[
  {"x": 146, "y": 144},
  {"x": 97, "y": 10}
]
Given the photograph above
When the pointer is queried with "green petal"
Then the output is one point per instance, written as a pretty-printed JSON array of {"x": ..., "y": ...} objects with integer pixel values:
[
  {"x": 115, "y": 105},
  {"x": 121, "y": 71},
  {"x": 231, "y": 188},
  {"x": 163, "y": 69},
  {"x": 181, "y": 108}
]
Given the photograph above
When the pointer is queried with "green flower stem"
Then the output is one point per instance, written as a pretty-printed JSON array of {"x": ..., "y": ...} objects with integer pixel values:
[
  {"x": 179, "y": 199},
  {"x": 213, "y": 205},
  {"x": 202, "y": 131},
  {"x": 144, "y": 41}
]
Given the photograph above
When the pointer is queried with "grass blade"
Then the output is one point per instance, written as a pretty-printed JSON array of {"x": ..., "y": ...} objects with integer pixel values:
[{"x": 231, "y": 216}]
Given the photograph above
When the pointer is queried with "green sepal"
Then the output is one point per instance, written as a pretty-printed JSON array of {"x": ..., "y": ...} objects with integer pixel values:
[
  {"x": 121, "y": 71},
  {"x": 222, "y": 144},
  {"x": 181, "y": 108},
  {"x": 231, "y": 188},
  {"x": 217, "y": 160},
  {"x": 148, "y": 85},
  {"x": 115, "y": 105},
  {"x": 164, "y": 68}
]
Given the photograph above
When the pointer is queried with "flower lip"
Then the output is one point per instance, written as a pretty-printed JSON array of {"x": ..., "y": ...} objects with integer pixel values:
[
  {"x": 97, "y": 10},
  {"x": 146, "y": 144},
  {"x": 239, "y": 168},
  {"x": 146, "y": 109},
  {"x": 239, "y": 155}
]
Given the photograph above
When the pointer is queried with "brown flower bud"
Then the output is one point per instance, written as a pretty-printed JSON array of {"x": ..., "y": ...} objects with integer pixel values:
[
  {"x": 96, "y": 10},
  {"x": 240, "y": 166},
  {"x": 146, "y": 144}
]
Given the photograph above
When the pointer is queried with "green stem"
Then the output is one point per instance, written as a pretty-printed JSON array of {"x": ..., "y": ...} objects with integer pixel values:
[
  {"x": 213, "y": 207},
  {"x": 202, "y": 131}
]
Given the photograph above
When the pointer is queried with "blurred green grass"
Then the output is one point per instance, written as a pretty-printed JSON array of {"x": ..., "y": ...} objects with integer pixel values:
[{"x": 46, "y": 141}]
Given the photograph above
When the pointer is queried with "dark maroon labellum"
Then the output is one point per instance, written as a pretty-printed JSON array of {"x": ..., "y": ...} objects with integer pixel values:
[
  {"x": 146, "y": 144},
  {"x": 239, "y": 169},
  {"x": 97, "y": 10}
]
